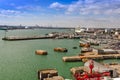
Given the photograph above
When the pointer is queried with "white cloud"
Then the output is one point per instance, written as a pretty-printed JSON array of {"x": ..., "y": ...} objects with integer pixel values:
[
  {"x": 90, "y": 7},
  {"x": 9, "y": 12},
  {"x": 29, "y": 7},
  {"x": 57, "y": 5}
]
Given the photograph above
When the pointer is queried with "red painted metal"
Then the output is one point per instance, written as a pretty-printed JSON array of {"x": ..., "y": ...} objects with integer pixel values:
[
  {"x": 91, "y": 66},
  {"x": 91, "y": 75}
]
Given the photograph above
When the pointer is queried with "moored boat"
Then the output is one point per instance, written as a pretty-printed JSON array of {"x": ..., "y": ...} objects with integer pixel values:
[
  {"x": 83, "y": 50},
  {"x": 84, "y": 44}
]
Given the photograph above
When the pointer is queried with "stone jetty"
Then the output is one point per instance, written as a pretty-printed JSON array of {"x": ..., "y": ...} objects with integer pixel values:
[
  {"x": 15, "y": 38},
  {"x": 72, "y": 59},
  {"x": 95, "y": 57}
]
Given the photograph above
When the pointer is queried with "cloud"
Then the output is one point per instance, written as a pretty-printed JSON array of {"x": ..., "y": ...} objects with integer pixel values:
[
  {"x": 57, "y": 5},
  {"x": 90, "y": 7},
  {"x": 13, "y": 13},
  {"x": 29, "y": 8},
  {"x": 9, "y": 12}
]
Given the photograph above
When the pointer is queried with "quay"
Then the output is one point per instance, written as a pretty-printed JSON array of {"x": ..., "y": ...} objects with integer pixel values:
[
  {"x": 71, "y": 59},
  {"x": 94, "y": 57},
  {"x": 15, "y": 38}
]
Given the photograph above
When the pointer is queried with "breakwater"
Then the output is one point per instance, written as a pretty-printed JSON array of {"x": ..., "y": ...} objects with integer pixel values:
[
  {"x": 95, "y": 57},
  {"x": 14, "y": 38}
]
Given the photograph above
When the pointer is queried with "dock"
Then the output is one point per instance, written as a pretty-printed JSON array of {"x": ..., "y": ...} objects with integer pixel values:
[
  {"x": 94, "y": 57},
  {"x": 116, "y": 67},
  {"x": 15, "y": 38},
  {"x": 72, "y": 59}
]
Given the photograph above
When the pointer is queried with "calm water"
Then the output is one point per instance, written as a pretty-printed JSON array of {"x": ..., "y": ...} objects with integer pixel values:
[{"x": 19, "y": 62}]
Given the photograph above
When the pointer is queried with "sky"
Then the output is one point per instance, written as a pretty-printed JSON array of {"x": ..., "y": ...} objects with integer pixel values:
[{"x": 61, "y": 13}]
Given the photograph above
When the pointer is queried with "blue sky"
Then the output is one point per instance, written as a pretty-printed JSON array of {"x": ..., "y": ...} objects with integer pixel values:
[{"x": 65, "y": 13}]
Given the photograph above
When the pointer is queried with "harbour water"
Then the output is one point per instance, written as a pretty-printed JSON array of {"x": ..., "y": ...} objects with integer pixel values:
[{"x": 18, "y": 60}]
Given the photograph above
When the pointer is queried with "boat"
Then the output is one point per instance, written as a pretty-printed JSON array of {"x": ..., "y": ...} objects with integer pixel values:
[
  {"x": 79, "y": 30},
  {"x": 84, "y": 44},
  {"x": 83, "y": 50}
]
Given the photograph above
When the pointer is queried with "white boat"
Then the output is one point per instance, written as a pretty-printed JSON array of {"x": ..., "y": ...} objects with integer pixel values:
[{"x": 79, "y": 30}]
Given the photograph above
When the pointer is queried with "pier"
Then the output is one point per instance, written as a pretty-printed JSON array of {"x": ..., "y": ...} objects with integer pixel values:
[
  {"x": 95, "y": 57},
  {"x": 72, "y": 59},
  {"x": 15, "y": 38}
]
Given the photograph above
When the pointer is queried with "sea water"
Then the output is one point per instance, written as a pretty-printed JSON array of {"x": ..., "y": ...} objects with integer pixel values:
[{"x": 18, "y": 60}]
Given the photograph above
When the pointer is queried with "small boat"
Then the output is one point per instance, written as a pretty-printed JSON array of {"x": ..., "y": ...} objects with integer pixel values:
[
  {"x": 94, "y": 43},
  {"x": 84, "y": 44},
  {"x": 74, "y": 47},
  {"x": 83, "y": 50}
]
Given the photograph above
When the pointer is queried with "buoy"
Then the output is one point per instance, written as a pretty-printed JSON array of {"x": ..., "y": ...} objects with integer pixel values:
[
  {"x": 41, "y": 52},
  {"x": 74, "y": 47}
]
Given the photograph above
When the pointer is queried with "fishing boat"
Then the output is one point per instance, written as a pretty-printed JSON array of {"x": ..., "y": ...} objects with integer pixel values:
[
  {"x": 83, "y": 50},
  {"x": 84, "y": 44}
]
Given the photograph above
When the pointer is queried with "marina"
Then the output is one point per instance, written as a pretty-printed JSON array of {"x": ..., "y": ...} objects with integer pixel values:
[
  {"x": 59, "y": 39},
  {"x": 78, "y": 51},
  {"x": 19, "y": 61}
]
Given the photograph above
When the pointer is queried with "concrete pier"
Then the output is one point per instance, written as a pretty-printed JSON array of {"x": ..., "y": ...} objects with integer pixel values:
[
  {"x": 15, "y": 38},
  {"x": 71, "y": 59},
  {"x": 95, "y": 57}
]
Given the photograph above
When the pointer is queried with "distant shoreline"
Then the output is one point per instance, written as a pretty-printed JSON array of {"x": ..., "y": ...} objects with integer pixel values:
[{"x": 7, "y": 27}]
